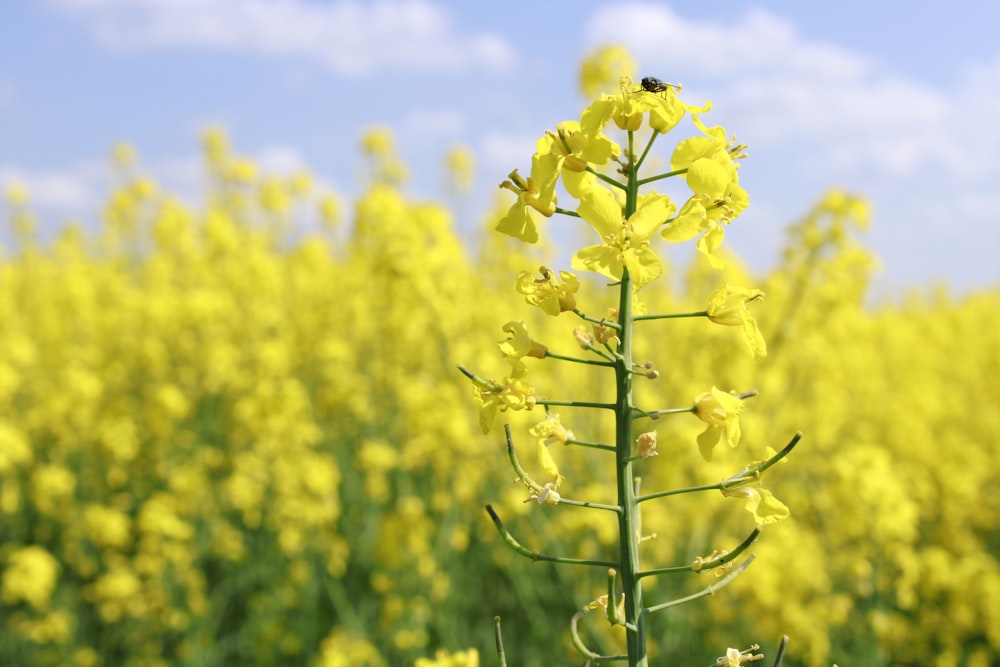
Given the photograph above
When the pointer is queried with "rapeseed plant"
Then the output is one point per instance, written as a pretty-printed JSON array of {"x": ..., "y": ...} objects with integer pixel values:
[{"x": 607, "y": 181}]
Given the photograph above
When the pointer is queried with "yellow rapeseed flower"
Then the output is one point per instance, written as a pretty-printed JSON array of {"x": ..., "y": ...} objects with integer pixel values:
[
  {"x": 625, "y": 242},
  {"x": 728, "y": 306},
  {"x": 721, "y": 411},
  {"x": 552, "y": 294},
  {"x": 30, "y": 576}
]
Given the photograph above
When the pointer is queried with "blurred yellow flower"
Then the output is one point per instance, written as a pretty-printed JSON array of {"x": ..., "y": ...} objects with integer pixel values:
[
  {"x": 107, "y": 527},
  {"x": 378, "y": 141},
  {"x": 30, "y": 576},
  {"x": 459, "y": 165},
  {"x": 15, "y": 449},
  {"x": 601, "y": 70},
  {"x": 442, "y": 658}
]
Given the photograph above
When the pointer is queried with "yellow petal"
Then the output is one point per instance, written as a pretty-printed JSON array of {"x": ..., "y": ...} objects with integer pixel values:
[
  {"x": 766, "y": 509},
  {"x": 545, "y": 460}
]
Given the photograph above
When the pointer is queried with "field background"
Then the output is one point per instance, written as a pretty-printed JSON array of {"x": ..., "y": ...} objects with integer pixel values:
[{"x": 226, "y": 440}]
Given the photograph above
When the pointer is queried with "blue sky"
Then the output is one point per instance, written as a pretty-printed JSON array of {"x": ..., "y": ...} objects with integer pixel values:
[{"x": 896, "y": 100}]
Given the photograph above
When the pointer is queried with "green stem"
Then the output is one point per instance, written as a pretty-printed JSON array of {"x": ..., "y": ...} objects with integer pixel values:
[
  {"x": 708, "y": 590},
  {"x": 748, "y": 474},
  {"x": 649, "y": 145},
  {"x": 591, "y": 656},
  {"x": 670, "y": 316},
  {"x": 654, "y": 414},
  {"x": 676, "y": 492},
  {"x": 577, "y": 404},
  {"x": 535, "y": 487},
  {"x": 591, "y": 445},
  {"x": 576, "y": 360},
  {"x": 566, "y": 211},
  {"x": 659, "y": 177},
  {"x": 534, "y": 555},
  {"x": 607, "y": 179},
  {"x": 628, "y": 520},
  {"x": 710, "y": 564},
  {"x": 587, "y": 318},
  {"x": 499, "y": 639}
]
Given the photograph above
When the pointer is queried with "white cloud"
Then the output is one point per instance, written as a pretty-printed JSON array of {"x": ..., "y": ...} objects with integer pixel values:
[
  {"x": 760, "y": 42},
  {"x": 349, "y": 37},
  {"x": 74, "y": 190},
  {"x": 78, "y": 190},
  {"x": 433, "y": 126},
  {"x": 784, "y": 87}
]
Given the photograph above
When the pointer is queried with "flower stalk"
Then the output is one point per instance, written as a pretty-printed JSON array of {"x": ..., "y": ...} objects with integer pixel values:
[{"x": 578, "y": 154}]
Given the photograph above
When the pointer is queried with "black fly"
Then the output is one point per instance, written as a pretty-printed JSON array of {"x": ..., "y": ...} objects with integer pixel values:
[{"x": 653, "y": 85}]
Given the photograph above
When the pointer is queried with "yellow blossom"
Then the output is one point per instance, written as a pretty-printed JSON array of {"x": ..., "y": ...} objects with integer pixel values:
[
  {"x": 512, "y": 394},
  {"x": 766, "y": 509},
  {"x": 728, "y": 306},
  {"x": 625, "y": 242},
  {"x": 519, "y": 343},
  {"x": 551, "y": 430},
  {"x": 553, "y": 295},
  {"x": 721, "y": 411},
  {"x": 30, "y": 576},
  {"x": 519, "y": 221}
]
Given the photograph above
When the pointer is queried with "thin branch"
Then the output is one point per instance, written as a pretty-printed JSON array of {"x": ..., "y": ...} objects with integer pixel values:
[
  {"x": 577, "y": 404},
  {"x": 778, "y": 659},
  {"x": 537, "y": 488},
  {"x": 582, "y": 648},
  {"x": 577, "y": 360},
  {"x": 566, "y": 211},
  {"x": 707, "y": 565},
  {"x": 591, "y": 445},
  {"x": 499, "y": 638},
  {"x": 649, "y": 145},
  {"x": 676, "y": 492},
  {"x": 658, "y": 177},
  {"x": 670, "y": 316},
  {"x": 708, "y": 590},
  {"x": 607, "y": 179},
  {"x": 593, "y": 320},
  {"x": 534, "y": 555}
]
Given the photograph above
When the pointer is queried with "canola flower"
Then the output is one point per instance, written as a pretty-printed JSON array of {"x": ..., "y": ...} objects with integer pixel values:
[{"x": 626, "y": 220}]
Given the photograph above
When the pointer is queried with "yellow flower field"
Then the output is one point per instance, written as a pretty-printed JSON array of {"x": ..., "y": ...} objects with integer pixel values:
[{"x": 229, "y": 439}]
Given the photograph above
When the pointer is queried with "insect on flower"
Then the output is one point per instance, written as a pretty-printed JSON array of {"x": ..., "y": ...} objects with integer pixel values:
[{"x": 653, "y": 85}]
